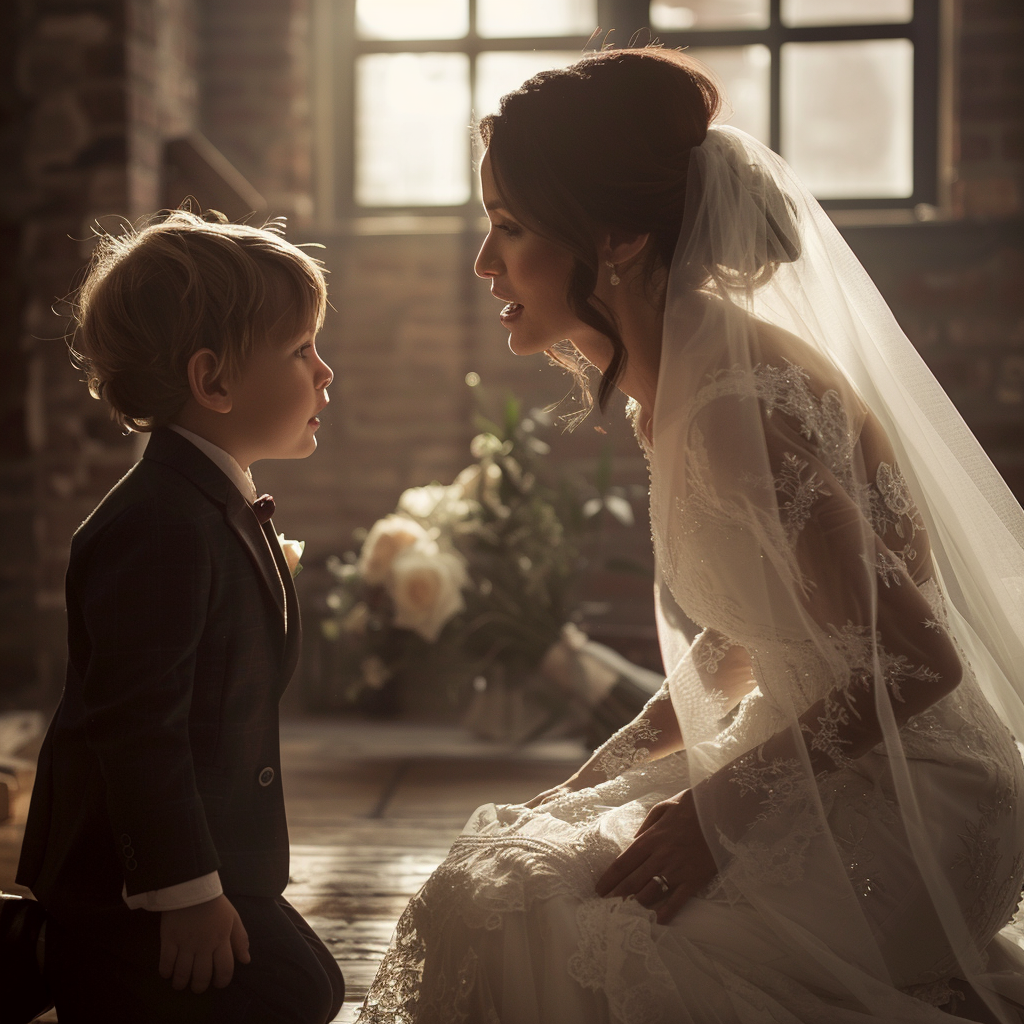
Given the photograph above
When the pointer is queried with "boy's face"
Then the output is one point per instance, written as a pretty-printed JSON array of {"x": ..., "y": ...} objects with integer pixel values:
[{"x": 276, "y": 400}]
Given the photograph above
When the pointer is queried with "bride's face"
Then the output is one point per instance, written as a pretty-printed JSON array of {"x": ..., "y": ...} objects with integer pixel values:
[{"x": 530, "y": 273}]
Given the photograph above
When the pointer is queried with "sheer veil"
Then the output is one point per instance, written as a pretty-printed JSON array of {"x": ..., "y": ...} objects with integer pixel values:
[{"x": 817, "y": 500}]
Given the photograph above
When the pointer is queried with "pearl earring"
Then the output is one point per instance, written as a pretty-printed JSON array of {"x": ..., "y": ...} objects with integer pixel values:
[{"x": 615, "y": 279}]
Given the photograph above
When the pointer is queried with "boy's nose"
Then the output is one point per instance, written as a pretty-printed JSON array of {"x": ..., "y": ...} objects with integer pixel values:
[{"x": 326, "y": 376}]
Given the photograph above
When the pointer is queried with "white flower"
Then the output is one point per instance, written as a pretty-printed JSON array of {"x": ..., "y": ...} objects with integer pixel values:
[
  {"x": 467, "y": 483},
  {"x": 292, "y": 552},
  {"x": 421, "y": 502},
  {"x": 426, "y": 587},
  {"x": 485, "y": 446},
  {"x": 387, "y": 538}
]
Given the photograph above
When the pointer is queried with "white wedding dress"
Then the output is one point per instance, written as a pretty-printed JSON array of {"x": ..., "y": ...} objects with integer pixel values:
[{"x": 818, "y": 507}]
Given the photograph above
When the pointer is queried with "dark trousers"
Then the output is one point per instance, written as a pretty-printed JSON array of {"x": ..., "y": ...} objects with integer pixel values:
[{"x": 102, "y": 968}]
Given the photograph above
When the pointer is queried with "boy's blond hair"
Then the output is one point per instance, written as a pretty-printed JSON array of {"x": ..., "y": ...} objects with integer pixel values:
[{"x": 153, "y": 297}]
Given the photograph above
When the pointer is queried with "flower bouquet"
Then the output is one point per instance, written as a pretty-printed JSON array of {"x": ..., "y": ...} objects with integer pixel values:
[{"x": 469, "y": 584}]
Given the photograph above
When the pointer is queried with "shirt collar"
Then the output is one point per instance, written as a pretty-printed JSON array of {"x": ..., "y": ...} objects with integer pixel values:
[{"x": 241, "y": 478}]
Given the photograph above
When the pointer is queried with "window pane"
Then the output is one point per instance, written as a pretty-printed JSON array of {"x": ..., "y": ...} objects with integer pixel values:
[
  {"x": 846, "y": 12},
  {"x": 412, "y": 129},
  {"x": 847, "y": 117},
  {"x": 745, "y": 72},
  {"x": 679, "y": 15},
  {"x": 412, "y": 19},
  {"x": 499, "y": 73},
  {"x": 504, "y": 19}
]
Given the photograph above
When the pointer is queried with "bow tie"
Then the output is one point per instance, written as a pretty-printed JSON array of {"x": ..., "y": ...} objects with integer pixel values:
[{"x": 263, "y": 507}]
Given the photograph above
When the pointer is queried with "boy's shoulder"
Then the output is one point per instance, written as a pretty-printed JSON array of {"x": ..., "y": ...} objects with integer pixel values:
[{"x": 173, "y": 481}]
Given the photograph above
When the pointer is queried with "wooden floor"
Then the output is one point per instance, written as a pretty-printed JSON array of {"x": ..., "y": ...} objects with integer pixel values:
[{"x": 372, "y": 809}]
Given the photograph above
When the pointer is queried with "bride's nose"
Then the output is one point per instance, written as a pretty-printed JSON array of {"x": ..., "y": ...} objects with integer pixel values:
[{"x": 487, "y": 265}]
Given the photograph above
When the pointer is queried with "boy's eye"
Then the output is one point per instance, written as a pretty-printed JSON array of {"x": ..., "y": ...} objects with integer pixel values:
[{"x": 301, "y": 352}]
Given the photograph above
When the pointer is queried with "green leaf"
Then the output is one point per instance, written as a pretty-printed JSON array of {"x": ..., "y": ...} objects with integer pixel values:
[{"x": 511, "y": 416}]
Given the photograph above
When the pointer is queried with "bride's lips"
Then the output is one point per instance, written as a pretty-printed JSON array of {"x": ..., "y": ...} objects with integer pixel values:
[{"x": 510, "y": 312}]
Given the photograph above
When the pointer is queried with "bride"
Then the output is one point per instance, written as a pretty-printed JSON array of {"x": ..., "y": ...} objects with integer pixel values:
[{"x": 819, "y": 817}]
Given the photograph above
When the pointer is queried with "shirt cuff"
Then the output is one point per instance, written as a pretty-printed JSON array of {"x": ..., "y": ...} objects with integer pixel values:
[{"x": 177, "y": 897}]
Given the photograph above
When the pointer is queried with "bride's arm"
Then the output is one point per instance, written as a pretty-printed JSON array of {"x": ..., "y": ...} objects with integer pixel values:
[{"x": 655, "y": 733}]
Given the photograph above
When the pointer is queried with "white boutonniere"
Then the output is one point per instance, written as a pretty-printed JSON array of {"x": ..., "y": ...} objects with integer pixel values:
[{"x": 292, "y": 553}]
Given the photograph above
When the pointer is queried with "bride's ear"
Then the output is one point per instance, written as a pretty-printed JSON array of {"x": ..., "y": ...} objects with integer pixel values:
[{"x": 620, "y": 247}]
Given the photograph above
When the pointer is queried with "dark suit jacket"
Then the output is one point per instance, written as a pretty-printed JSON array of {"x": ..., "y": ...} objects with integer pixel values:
[{"x": 161, "y": 763}]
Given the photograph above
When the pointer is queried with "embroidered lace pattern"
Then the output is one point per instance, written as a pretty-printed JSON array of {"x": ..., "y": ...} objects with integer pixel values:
[{"x": 710, "y": 648}]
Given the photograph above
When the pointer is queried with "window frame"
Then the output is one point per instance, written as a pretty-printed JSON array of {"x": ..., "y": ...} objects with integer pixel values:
[{"x": 337, "y": 47}]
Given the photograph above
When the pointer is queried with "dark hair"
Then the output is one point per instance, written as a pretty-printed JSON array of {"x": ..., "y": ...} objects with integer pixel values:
[
  {"x": 603, "y": 144},
  {"x": 152, "y": 297}
]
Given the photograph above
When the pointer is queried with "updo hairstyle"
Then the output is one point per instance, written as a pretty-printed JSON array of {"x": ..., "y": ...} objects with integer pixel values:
[
  {"x": 151, "y": 298},
  {"x": 602, "y": 145}
]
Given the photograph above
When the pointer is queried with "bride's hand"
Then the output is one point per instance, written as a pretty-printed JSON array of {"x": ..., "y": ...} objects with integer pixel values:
[
  {"x": 550, "y": 794},
  {"x": 668, "y": 861},
  {"x": 587, "y": 777}
]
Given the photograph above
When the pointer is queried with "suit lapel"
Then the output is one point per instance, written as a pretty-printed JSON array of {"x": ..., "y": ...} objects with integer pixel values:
[
  {"x": 173, "y": 450},
  {"x": 293, "y": 625},
  {"x": 243, "y": 521}
]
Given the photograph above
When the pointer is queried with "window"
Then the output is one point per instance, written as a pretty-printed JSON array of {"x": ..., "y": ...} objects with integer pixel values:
[{"x": 846, "y": 90}]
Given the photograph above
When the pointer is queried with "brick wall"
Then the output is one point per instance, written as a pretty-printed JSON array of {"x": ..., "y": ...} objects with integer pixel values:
[
  {"x": 69, "y": 95},
  {"x": 92, "y": 87},
  {"x": 255, "y": 100},
  {"x": 990, "y": 101}
]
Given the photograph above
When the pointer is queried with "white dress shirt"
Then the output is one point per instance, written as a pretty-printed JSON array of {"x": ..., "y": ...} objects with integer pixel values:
[{"x": 207, "y": 887}]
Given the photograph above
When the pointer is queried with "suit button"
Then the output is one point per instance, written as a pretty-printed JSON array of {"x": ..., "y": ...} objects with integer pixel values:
[
  {"x": 126, "y": 840},
  {"x": 266, "y": 776},
  {"x": 128, "y": 852},
  {"x": 131, "y": 864}
]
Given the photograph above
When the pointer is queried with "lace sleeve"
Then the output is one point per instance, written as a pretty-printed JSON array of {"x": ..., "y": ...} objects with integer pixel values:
[
  {"x": 724, "y": 667},
  {"x": 637, "y": 743},
  {"x": 812, "y": 537}
]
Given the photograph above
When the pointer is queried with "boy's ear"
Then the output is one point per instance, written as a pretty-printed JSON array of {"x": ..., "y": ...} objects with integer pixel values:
[
  {"x": 618, "y": 247},
  {"x": 204, "y": 379}
]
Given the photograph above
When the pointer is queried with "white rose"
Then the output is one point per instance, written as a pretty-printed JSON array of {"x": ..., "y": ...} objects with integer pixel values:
[
  {"x": 387, "y": 538},
  {"x": 426, "y": 587},
  {"x": 467, "y": 483},
  {"x": 422, "y": 502},
  {"x": 292, "y": 552}
]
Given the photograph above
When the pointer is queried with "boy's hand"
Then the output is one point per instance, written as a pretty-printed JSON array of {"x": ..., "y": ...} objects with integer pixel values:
[{"x": 202, "y": 943}]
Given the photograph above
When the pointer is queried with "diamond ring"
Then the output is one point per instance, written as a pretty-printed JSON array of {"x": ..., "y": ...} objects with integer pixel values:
[{"x": 663, "y": 882}]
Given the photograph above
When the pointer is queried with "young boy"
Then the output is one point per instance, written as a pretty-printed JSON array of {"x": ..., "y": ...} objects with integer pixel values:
[{"x": 156, "y": 838}]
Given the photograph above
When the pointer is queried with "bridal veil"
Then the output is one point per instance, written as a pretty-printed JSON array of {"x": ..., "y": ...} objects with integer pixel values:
[{"x": 817, "y": 500}]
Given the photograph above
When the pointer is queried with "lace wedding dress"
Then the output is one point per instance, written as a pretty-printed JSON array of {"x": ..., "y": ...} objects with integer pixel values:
[{"x": 820, "y": 510}]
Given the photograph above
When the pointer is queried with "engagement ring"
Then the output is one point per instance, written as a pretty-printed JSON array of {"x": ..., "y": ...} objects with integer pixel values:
[{"x": 663, "y": 882}]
